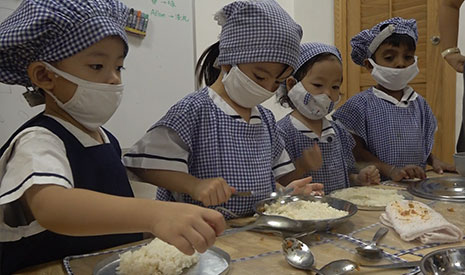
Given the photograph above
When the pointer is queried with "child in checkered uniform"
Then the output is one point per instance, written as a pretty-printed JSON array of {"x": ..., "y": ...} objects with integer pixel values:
[
  {"x": 219, "y": 139},
  {"x": 63, "y": 188},
  {"x": 393, "y": 126},
  {"x": 312, "y": 92}
]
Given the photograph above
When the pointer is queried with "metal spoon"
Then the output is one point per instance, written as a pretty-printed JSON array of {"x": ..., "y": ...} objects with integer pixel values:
[
  {"x": 371, "y": 250},
  {"x": 298, "y": 255},
  {"x": 281, "y": 192}
]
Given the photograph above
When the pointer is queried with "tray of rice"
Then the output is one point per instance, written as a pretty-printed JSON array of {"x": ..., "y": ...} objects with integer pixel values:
[
  {"x": 312, "y": 212},
  {"x": 160, "y": 258},
  {"x": 370, "y": 198}
]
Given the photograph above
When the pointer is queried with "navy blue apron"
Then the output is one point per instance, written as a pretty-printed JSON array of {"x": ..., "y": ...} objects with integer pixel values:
[{"x": 98, "y": 168}]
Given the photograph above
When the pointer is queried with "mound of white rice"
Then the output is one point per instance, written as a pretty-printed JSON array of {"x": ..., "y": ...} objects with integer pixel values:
[
  {"x": 368, "y": 196},
  {"x": 304, "y": 210},
  {"x": 155, "y": 258}
]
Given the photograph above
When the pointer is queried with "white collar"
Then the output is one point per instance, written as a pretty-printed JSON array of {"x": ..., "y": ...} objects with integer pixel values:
[
  {"x": 327, "y": 131},
  {"x": 83, "y": 138},
  {"x": 409, "y": 95},
  {"x": 255, "y": 117}
]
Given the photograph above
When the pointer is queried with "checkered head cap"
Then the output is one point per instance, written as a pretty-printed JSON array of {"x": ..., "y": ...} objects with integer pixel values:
[
  {"x": 367, "y": 41},
  {"x": 310, "y": 50},
  {"x": 257, "y": 31},
  {"x": 52, "y": 30}
]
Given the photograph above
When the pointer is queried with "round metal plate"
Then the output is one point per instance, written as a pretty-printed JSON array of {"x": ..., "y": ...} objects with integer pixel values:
[
  {"x": 444, "y": 261},
  {"x": 403, "y": 193},
  {"x": 441, "y": 188},
  {"x": 310, "y": 225}
]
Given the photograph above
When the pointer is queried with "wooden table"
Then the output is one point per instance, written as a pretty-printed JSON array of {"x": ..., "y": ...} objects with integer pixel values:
[{"x": 260, "y": 253}]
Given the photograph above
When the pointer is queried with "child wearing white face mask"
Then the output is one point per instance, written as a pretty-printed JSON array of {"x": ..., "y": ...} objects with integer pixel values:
[
  {"x": 313, "y": 91},
  {"x": 393, "y": 126},
  {"x": 219, "y": 140},
  {"x": 63, "y": 188}
]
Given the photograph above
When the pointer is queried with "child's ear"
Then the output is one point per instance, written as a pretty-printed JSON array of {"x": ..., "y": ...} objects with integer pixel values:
[
  {"x": 40, "y": 76},
  {"x": 367, "y": 65},
  {"x": 290, "y": 82}
]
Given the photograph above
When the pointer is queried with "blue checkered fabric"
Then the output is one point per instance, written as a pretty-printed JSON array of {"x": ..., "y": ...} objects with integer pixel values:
[
  {"x": 221, "y": 146},
  {"x": 396, "y": 135},
  {"x": 310, "y": 50},
  {"x": 258, "y": 31},
  {"x": 338, "y": 160},
  {"x": 52, "y": 30},
  {"x": 362, "y": 41}
]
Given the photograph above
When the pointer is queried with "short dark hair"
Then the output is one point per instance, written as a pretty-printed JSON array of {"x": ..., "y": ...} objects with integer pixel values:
[{"x": 302, "y": 72}]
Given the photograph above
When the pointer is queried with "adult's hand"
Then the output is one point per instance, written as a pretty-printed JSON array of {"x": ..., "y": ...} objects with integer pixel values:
[{"x": 456, "y": 61}]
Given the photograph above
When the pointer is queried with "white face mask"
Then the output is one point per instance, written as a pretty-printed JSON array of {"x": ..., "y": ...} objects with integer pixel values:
[
  {"x": 243, "y": 90},
  {"x": 311, "y": 106},
  {"x": 392, "y": 78},
  {"x": 92, "y": 104}
]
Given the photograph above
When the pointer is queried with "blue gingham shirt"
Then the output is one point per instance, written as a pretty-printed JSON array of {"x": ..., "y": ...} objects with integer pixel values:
[
  {"x": 397, "y": 132},
  {"x": 336, "y": 146},
  {"x": 247, "y": 155}
]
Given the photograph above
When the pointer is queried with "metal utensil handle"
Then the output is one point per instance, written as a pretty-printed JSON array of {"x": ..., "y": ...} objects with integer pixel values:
[
  {"x": 379, "y": 234},
  {"x": 395, "y": 265},
  {"x": 239, "y": 229}
]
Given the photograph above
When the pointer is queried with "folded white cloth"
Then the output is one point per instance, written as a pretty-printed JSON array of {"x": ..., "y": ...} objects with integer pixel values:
[{"x": 413, "y": 219}]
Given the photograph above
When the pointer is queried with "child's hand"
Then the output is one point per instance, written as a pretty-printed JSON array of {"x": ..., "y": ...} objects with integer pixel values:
[
  {"x": 439, "y": 166},
  {"x": 407, "y": 172},
  {"x": 188, "y": 227},
  {"x": 305, "y": 187},
  {"x": 312, "y": 159},
  {"x": 369, "y": 175},
  {"x": 212, "y": 191}
]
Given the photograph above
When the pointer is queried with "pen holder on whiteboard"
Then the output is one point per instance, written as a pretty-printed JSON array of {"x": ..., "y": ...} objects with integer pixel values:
[{"x": 137, "y": 22}]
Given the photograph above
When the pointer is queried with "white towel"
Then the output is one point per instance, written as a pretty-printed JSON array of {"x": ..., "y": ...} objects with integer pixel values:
[{"x": 413, "y": 219}]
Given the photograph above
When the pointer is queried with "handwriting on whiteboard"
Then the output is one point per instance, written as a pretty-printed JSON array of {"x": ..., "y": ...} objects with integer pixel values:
[{"x": 167, "y": 9}]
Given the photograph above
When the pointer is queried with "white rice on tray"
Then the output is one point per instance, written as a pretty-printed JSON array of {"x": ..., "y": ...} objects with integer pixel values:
[
  {"x": 157, "y": 258},
  {"x": 304, "y": 210},
  {"x": 368, "y": 196}
]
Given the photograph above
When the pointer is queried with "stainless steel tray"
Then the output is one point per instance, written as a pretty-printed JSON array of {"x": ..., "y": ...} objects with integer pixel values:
[
  {"x": 213, "y": 262},
  {"x": 441, "y": 188}
]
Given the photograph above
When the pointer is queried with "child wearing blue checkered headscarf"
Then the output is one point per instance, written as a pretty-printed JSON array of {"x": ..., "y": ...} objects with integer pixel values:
[
  {"x": 393, "y": 125},
  {"x": 220, "y": 140},
  {"x": 312, "y": 92},
  {"x": 63, "y": 188}
]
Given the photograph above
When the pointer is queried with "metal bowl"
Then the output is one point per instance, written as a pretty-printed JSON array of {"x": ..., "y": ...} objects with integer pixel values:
[
  {"x": 310, "y": 225},
  {"x": 444, "y": 261},
  {"x": 459, "y": 160}
]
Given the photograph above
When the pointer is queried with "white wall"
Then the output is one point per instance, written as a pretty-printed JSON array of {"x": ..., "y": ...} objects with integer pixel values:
[
  {"x": 459, "y": 93},
  {"x": 315, "y": 16}
]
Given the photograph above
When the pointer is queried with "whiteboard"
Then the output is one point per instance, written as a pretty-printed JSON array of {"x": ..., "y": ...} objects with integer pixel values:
[{"x": 159, "y": 71}]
